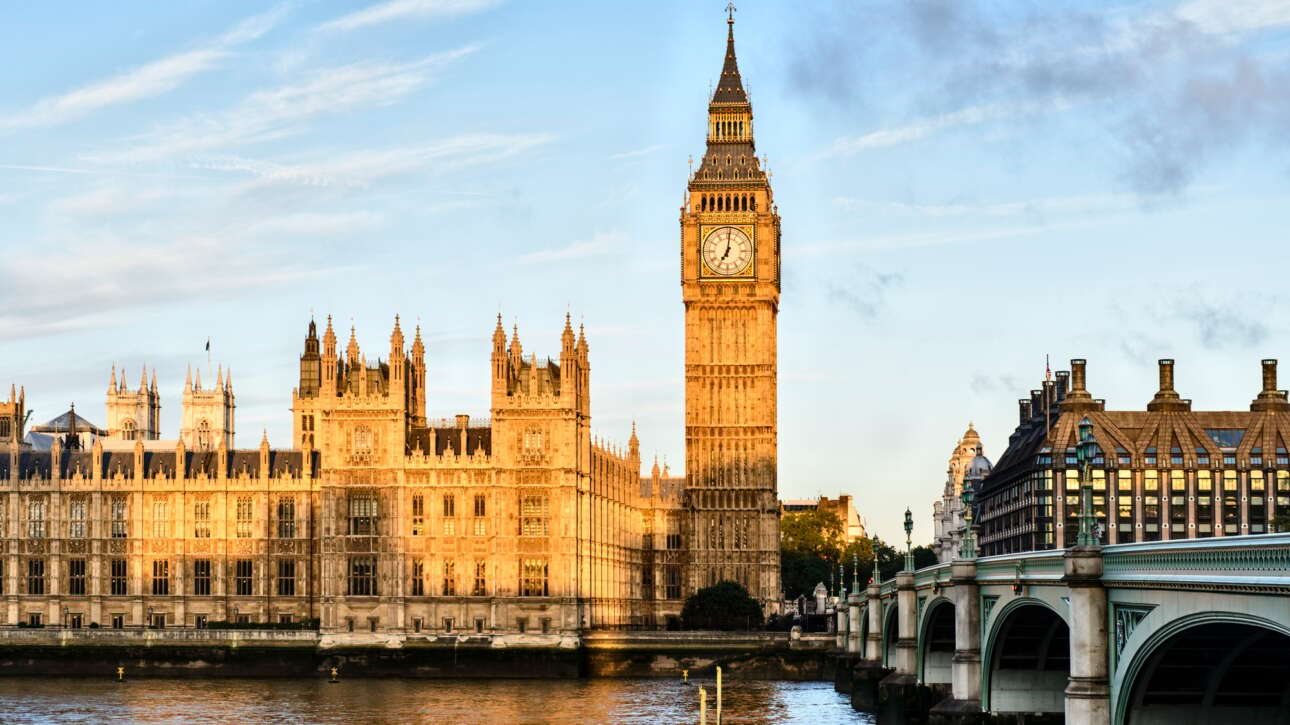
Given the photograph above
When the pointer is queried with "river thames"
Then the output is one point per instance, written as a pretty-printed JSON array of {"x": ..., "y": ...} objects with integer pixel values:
[{"x": 32, "y": 700}]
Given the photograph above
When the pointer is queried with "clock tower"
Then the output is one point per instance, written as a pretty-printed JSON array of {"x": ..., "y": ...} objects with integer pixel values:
[{"x": 730, "y": 241}]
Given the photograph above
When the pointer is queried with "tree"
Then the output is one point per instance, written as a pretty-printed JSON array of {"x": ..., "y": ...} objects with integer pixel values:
[
  {"x": 1279, "y": 524},
  {"x": 809, "y": 550},
  {"x": 724, "y": 605}
]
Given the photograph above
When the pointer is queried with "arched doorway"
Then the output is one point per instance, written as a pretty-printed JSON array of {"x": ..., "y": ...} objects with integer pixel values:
[
  {"x": 1216, "y": 672},
  {"x": 1029, "y": 661},
  {"x": 937, "y": 644},
  {"x": 890, "y": 634}
]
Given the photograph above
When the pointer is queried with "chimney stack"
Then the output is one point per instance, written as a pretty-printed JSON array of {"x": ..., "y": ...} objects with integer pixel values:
[
  {"x": 1270, "y": 398},
  {"x": 1063, "y": 384},
  {"x": 1023, "y": 411},
  {"x": 1077, "y": 375},
  {"x": 1167, "y": 399},
  {"x": 1078, "y": 400}
]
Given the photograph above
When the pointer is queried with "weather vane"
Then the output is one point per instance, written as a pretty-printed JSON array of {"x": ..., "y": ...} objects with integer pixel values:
[{"x": 730, "y": 11}]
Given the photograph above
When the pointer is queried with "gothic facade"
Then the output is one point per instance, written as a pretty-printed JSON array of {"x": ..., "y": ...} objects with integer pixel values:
[{"x": 380, "y": 520}]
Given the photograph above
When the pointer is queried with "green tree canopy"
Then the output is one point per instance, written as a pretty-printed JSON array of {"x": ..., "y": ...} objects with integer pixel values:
[
  {"x": 812, "y": 547},
  {"x": 724, "y": 606}
]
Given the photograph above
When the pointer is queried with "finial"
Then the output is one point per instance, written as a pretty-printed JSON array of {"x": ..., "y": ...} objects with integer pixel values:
[{"x": 730, "y": 13}]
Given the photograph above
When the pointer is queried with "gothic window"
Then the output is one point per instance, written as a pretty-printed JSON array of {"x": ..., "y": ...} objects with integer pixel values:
[
  {"x": 202, "y": 577},
  {"x": 202, "y": 519},
  {"x": 120, "y": 527},
  {"x": 76, "y": 518},
  {"x": 286, "y": 577},
  {"x": 160, "y": 577},
  {"x": 449, "y": 578},
  {"x": 418, "y": 578},
  {"x": 118, "y": 570},
  {"x": 533, "y": 578},
  {"x": 76, "y": 576},
  {"x": 160, "y": 519},
  {"x": 35, "y": 576},
  {"x": 127, "y": 429},
  {"x": 481, "y": 580},
  {"x": 243, "y": 572},
  {"x": 362, "y": 515},
  {"x": 362, "y": 440},
  {"x": 36, "y": 518},
  {"x": 286, "y": 518},
  {"x": 449, "y": 515},
  {"x": 5, "y": 428},
  {"x": 204, "y": 435},
  {"x": 244, "y": 516},
  {"x": 672, "y": 581},
  {"x": 418, "y": 514},
  {"x": 481, "y": 508},
  {"x": 533, "y": 515}
]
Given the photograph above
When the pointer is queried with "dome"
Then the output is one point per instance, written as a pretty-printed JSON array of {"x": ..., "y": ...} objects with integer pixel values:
[
  {"x": 979, "y": 467},
  {"x": 971, "y": 434}
]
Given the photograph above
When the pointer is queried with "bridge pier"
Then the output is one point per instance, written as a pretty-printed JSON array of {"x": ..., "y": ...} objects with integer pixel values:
[
  {"x": 1088, "y": 694},
  {"x": 854, "y": 643},
  {"x": 901, "y": 698},
  {"x": 964, "y": 704},
  {"x": 873, "y": 642}
]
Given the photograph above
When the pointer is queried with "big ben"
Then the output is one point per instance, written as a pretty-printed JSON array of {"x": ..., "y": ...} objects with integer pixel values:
[{"x": 730, "y": 281}]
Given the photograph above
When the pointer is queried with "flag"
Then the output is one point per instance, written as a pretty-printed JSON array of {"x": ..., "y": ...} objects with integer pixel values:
[{"x": 208, "y": 344}]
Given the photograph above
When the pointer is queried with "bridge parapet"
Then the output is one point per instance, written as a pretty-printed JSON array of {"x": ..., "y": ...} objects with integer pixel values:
[
  {"x": 1253, "y": 564},
  {"x": 1035, "y": 567},
  {"x": 931, "y": 576}
]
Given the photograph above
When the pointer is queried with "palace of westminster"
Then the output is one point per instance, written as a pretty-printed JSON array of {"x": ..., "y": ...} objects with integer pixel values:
[{"x": 382, "y": 520}]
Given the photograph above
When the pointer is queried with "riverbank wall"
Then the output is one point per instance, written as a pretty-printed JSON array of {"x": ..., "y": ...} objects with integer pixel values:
[{"x": 270, "y": 653}]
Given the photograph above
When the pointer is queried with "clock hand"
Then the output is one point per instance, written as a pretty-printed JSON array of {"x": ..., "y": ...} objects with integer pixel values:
[{"x": 727, "y": 252}]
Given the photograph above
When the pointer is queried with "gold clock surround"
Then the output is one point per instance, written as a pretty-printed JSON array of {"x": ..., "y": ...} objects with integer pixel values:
[{"x": 749, "y": 270}]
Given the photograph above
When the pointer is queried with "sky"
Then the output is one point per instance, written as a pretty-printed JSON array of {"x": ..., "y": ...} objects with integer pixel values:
[{"x": 967, "y": 189}]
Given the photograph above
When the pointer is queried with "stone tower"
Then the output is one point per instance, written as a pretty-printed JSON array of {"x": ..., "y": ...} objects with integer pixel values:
[
  {"x": 207, "y": 419},
  {"x": 730, "y": 242},
  {"x": 133, "y": 414},
  {"x": 13, "y": 416}
]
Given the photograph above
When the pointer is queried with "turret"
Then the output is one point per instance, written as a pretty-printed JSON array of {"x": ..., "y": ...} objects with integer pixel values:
[
  {"x": 310, "y": 364},
  {"x": 517, "y": 351},
  {"x": 329, "y": 359},
  {"x": 111, "y": 383},
  {"x": 419, "y": 378},
  {"x": 499, "y": 363},
  {"x": 398, "y": 360}
]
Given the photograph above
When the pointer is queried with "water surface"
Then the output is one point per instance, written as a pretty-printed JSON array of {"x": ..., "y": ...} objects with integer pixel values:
[{"x": 400, "y": 702}]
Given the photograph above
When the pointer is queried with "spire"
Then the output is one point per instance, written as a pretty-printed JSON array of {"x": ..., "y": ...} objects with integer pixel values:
[
  {"x": 188, "y": 377},
  {"x": 499, "y": 336},
  {"x": 143, "y": 380},
  {"x": 566, "y": 338},
  {"x": 517, "y": 351},
  {"x": 654, "y": 473},
  {"x": 730, "y": 89},
  {"x": 228, "y": 381},
  {"x": 351, "y": 350},
  {"x": 329, "y": 339},
  {"x": 396, "y": 339},
  {"x": 219, "y": 377},
  {"x": 418, "y": 349},
  {"x": 153, "y": 387},
  {"x": 197, "y": 384},
  {"x": 111, "y": 382},
  {"x": 582, "y": 340}
]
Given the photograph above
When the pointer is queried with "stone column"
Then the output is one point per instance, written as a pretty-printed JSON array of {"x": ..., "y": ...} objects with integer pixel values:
[
  {"x": 967, "y": 631},
  {"x": 1088, "y": 697},
  {"x": 841, "y": 614},
  {"x": 907, "y": 626},
  {"x": 873, "y": 642},
  {"x": 854, "y": 644}
]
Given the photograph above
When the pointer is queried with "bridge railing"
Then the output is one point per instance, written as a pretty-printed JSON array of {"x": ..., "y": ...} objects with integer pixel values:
[{"x": 1256, "y": 563}]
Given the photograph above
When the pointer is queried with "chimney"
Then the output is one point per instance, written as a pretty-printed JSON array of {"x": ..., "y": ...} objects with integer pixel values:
[
  {"x": 1270, "y": 398},
  {"x": 1063, "y": 384},
  {"x": 1078, "y": 399},
  {"x": 1167, "y": 399},
  {"x": 1036, "y": 403},
  {"x": 1023, "y": 411},
  {"x": 463, "y": 421}
]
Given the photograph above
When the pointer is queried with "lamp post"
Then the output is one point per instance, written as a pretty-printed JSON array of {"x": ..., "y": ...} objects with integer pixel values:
[
  {"x": 909, "y": 546},
  {"x": 1084, "y": 452},
  {"x": 967, "y": 546}
]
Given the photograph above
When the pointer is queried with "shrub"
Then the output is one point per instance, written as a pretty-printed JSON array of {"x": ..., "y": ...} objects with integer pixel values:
[{"x": 723, "y": 606}]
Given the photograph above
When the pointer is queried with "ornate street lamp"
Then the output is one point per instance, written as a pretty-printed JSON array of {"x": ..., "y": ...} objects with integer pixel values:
[
  {"x": 967, "y": 545},
  {"x": 909, "y": 546},
  {"x": 1084, "y": 453}
]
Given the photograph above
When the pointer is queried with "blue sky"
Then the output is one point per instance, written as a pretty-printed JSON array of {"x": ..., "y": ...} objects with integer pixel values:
[{"x": 965, "y": 188}]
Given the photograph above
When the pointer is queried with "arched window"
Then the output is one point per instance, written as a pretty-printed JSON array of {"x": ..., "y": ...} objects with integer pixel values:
[
  {"x": 204, "y": 435},
  {"x": 128, "y": 430}
]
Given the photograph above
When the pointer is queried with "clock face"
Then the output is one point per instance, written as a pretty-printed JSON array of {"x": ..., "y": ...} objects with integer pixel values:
[{"x": 727, "y": 251}]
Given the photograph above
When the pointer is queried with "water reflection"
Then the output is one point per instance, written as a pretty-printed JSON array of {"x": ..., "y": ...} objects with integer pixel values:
[{"x": 399, "y": 702}]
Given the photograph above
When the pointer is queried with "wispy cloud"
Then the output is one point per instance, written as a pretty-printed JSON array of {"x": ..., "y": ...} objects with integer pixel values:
[
  {"x": 922, "y": 128},
  {"x": 864, "y": 290},
  {"x": 601, "y": 243},
  {"x": 361, "y": 168},
  {"x": 146, "y": 81},
  {"x": 1042, "y": 207},
  {"x": 638, "y": 152},
  {"x": 393, "y": 10},
  {"x": 283, "y": 111},
  {"x": 1235, "y": 16}
]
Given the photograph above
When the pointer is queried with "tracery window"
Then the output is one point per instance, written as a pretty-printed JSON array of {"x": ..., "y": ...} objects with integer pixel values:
[{"x": 533, "y": 578}]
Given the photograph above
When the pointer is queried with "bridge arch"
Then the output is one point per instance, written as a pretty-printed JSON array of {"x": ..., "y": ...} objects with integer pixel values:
[
  {"x": 890, "y": 632},
  {"x": 1026, "y": 662},
  {"x": 1210, "y": 667},
  {"x": 936, "y": 643}
]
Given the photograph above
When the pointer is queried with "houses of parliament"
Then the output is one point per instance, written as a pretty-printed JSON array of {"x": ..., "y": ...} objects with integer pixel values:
[{"x": 381, "y": 519}]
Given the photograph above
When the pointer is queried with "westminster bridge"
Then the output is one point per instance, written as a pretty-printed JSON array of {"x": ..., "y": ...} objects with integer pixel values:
[{"x": 1180, "y": 632}]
